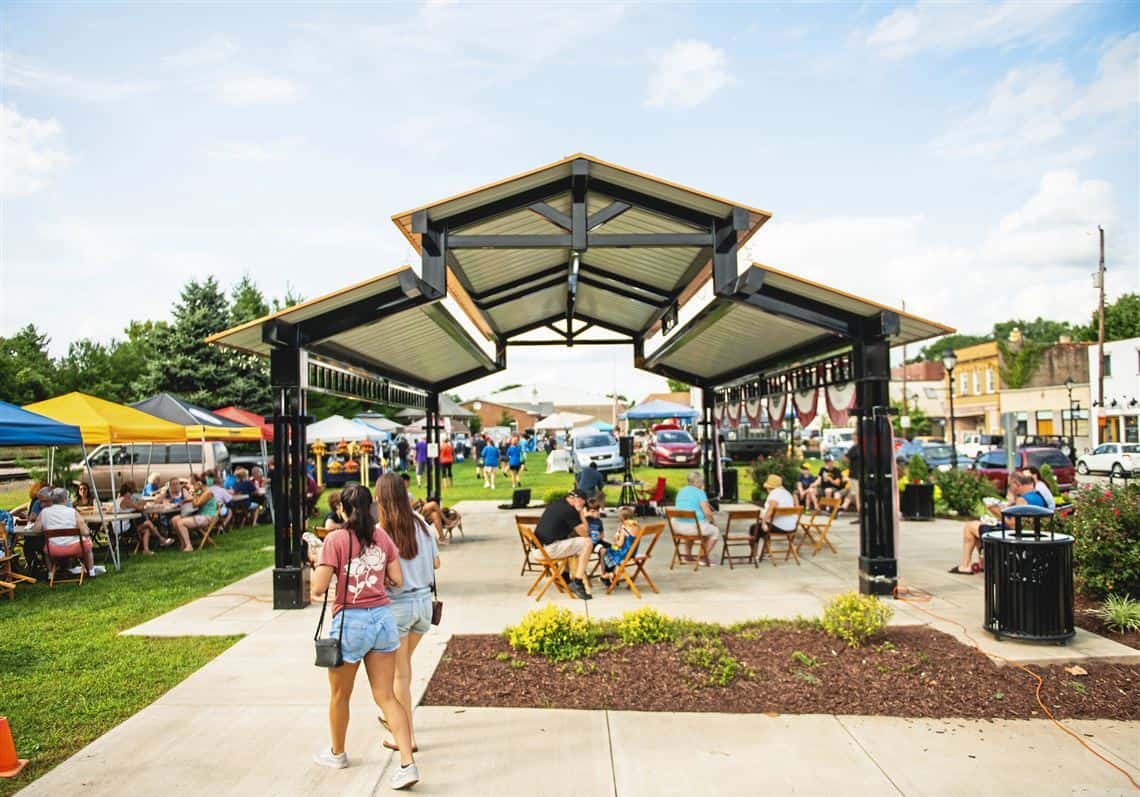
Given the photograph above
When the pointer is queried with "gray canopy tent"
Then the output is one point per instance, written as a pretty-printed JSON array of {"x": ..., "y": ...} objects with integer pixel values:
[{"x": 580, "y": 252}]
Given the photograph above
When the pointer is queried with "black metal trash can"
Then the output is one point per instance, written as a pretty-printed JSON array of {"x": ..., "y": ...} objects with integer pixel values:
[
  {"x": 730, "y": 488},
  {"x": 1029, "y": 579},
  {"x": 916, "y": 502}
]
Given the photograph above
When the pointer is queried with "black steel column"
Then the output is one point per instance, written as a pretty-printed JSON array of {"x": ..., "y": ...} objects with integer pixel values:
[
  {"x": 437, "y": 427},
  {"x": 708, "y": 430},
  {"x": 878, "y": 567},
  {"x": 290, "y": 577}
]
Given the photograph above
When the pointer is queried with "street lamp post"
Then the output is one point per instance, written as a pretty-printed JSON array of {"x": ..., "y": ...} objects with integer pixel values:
[
  {"x": 949, "y": 360},
  {"x": 1072, "y": 421}
]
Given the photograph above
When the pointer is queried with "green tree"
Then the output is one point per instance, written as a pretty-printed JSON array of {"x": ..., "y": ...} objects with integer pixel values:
[
  {"x": 919, "y": 422},
  {"x": 933, "y": 352},
  {"x": 505, "y": 418},
  {"x": 288, "y": 300},
  {"x": 27, "y": 373},
  {"x": 1039, "y": 330},
  {"x": 475, "y": 424},
  {"x": 247, "y": 303},
  {"x": 1121, "y": 320},
  {"x": 677, "y": 386}
]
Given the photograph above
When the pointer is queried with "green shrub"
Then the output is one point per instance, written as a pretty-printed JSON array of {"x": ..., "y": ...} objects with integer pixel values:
[
  {"x": 963, "y": 490},
  {"x": 1106, "y": 549},
  {"x": 555, "y": 633},
  {"x": 787, "y": 469},
  {"x": 1120, "y": 613},
  {"x": 711, "y": 655},
  {"x": 645, "y": 625},
  {"x": 670, "y": 495},
  {"x": 855, "y": 618},
  {"x": 1050, "y": 479},
  {"x": 916, "y": 469},
  {"x": 554, "y": 496}
]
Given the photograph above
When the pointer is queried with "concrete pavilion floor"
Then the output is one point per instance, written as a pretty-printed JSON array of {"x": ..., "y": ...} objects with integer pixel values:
[{"x": 248, "y": 722}]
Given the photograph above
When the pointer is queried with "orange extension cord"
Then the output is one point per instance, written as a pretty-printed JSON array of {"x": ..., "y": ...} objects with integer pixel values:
[{"x": 925, "y": 598}]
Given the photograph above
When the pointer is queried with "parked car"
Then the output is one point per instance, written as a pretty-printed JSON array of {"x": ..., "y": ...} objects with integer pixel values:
[
  {"x": 135, "y": 461},
  {"x": 975, "y": 444},
  {"x": 836, "y": 441},
  {"x": 1118, "y": 459},
  {"x": 590, "y": 445},
  {"x": 673, "y": 447},
  {"x": 941, "y": 457},
  {"x": 992, "y": 465}
]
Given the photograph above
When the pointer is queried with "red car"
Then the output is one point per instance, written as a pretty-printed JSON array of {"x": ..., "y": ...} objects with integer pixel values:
[
  {"x": 992, "y": 465},
  {"x": 673, "y": 447}
]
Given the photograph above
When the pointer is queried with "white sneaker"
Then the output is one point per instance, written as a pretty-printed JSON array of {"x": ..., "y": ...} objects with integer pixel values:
[
  {"x": 76, "y": 570},
  {"x": 98, "y": 570},
  {"x": 325, "y": 758},
  {"x": 404, "y": 777}
]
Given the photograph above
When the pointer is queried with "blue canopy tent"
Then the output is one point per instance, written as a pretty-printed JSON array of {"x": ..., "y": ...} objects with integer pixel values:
[
  {"x": 602, "y": 426},
  {"x": 18, "y": 427},
  {"x": 657, "y": 408}
]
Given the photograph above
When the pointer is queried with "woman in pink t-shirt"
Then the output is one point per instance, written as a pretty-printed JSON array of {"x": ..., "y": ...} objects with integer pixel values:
[{"x": 371, "y": 560}]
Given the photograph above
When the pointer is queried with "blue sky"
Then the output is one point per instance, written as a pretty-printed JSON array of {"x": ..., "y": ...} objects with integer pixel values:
[{"x": 955, "y": 156}]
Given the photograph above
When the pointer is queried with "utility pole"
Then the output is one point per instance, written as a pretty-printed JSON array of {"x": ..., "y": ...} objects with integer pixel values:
[{"x": 1100, "y": 334}]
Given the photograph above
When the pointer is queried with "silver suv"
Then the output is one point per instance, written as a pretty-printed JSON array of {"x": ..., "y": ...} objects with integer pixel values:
[{"x": 590, "y": 445}]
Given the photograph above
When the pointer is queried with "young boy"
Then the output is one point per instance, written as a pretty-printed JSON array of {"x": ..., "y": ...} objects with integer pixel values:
[
  {"x": 594, "y": 522},
  {"x": 490, "y": 464}
]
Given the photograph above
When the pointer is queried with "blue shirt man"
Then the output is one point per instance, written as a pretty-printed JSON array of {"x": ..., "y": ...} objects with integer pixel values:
[
  {"x": 590, "y": 480},
  {"x": 490, "y": 456}
]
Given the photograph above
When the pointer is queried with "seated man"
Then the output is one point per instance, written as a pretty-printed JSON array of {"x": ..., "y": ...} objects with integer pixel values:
[
  {"x": 832, "y": 481},
  {"x": 692, "y": 497},
  {"x": 56, "y": 514},
  {"x": 806, "y": 486},
  {"x": 246, "y": 486},
  {"x": 563, "y": 532},
  {"x": 592, "y": 483},
  {"x": 1021, "y": 486},
  {"x": 778, "y": 498},
  {"x": 1040, "y": 486}
]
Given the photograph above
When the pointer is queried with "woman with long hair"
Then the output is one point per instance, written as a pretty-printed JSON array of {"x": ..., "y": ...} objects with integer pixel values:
[
  {"x": 411, "y": 603},
  {"x": 366, "y": 563}
]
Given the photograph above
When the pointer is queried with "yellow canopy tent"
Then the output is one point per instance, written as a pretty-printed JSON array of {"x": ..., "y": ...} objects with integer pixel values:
[{"x": 102, "y": 421}]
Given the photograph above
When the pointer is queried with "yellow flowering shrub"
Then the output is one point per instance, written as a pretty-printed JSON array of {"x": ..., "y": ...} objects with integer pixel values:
[
  {"x": 555, "y": 633},
  {"x": 644, "y": 625},
  {"x": 855, "y": 618}
]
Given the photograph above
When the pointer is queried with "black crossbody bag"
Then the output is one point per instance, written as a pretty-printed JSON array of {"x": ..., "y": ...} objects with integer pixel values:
[{"x": 328, "y": 650}]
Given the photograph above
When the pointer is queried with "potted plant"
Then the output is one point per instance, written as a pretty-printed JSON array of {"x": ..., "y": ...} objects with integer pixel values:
[{"x": 916, "y": 501}]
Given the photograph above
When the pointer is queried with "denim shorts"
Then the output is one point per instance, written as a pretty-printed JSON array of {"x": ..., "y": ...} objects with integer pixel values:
[
  {"x": 365, "y": 631},
  {"x": 412, "y": 611}
]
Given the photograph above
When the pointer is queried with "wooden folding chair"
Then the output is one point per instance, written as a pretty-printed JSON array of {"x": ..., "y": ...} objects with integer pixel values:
[
  {"x": 54, "y": 561},
  {"x": 815, "y": 525},
  {"x": 688, "y": 519},
  {"x": 9, "y": 578},
  {"x": 740, "y": 539},
  {"x": 636, "y": 558},
  {"x": 207, "y": 532},
  {"x": 551, "y": 568},
  {"x": 789, "y": 537},
  {"x": 521, "y": 522}
]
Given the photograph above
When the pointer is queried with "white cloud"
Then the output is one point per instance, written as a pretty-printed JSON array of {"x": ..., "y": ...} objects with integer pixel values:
[
  {"x": 254, "y": 89},
  {"x": 19, "y": 73},
  {"x": 1035, "y": 104},
  {"x": 32, "y": 152},
  {"x": 1035, "y": 261},
  {"x": 948, "y": 27},
  {"x": 214, "y": 50},
  {"x": 687, "y": 74},
  {"x": 254, "y": 152}
]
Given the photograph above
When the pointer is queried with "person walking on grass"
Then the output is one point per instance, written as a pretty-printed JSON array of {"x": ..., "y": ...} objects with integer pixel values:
[
  {"x": 365, "y": 561},
  {"x": 515, "y": 461},
  {"x": 490, "y": 464},
  {"x": 411, "y": 602}
]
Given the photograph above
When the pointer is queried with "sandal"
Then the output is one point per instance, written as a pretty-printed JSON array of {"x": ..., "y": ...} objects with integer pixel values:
[
  {"x": 393, "y": 746},
  {"x": 958, "y": 572}
]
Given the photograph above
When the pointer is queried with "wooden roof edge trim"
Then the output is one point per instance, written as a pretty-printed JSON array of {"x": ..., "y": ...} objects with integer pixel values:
[
  {"x": 947, "y": 330},
  {"x": 397, "y": 217},
  {"x": 217, "y": 336}
]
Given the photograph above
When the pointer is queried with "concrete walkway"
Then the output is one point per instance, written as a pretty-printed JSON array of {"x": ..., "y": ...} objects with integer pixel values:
[{"x": 248, "y": 722}]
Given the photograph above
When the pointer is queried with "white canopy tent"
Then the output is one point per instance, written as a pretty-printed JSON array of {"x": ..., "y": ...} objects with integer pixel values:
[
  {"x": 337, "y": 428},
  {"x": 562, "y": 420}
]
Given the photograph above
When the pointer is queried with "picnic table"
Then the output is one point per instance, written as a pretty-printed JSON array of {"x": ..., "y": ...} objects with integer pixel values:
[{"x": 105, "y": 524}]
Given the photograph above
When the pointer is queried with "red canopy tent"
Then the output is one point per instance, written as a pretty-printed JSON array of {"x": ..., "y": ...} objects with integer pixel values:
[{"x": 249, "y": 419}]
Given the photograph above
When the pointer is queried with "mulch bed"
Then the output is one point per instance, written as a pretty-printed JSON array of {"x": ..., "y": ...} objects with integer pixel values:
[
  {"x": 1090, "y": 622},
  {"x": 903, "y": 672}
]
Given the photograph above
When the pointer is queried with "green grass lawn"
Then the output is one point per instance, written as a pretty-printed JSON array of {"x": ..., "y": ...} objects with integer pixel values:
[{"x": 66, "y": 677}]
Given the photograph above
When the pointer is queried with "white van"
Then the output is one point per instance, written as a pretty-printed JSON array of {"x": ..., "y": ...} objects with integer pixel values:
[
  {"x": 837, "y": 440},
  {"x": 132, "y": 462}
]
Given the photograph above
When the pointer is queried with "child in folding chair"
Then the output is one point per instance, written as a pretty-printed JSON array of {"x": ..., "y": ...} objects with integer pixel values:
[
  {"x": 594, "y": 522},
  {"x": 623, "y": 540}
]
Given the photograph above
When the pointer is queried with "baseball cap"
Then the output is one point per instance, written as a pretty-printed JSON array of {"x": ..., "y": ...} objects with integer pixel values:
[{"x": 576, "y": 493}]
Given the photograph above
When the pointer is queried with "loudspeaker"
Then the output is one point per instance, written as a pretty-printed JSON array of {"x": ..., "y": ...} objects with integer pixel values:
[
  {"x": 626, "y": 444},
  {"x": 520, "y": 499}
]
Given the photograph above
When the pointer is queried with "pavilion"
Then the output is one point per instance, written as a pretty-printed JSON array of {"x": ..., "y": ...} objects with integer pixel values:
[{"x": 582, "y": 252}]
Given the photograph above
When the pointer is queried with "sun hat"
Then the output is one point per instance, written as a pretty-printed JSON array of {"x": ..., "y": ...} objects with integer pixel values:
[{"x": 773, "y": 481}]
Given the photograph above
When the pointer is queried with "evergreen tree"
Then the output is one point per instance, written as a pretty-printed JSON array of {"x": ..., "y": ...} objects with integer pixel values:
[
  {"x": 27, "y": 373},
  {"x": 247, "y": 303}
]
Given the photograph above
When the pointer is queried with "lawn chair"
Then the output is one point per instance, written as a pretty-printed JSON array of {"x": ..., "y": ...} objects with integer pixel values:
[
  {"x": 744, "y": 537},
  {"x": 636, "y": 558},
  {"x": 789, "y": 537},
  {"x": 521, "y": 522},
  {"x": 654, "y": 499},
  {"x": 551, "y": 568},
  {"x": 688, "y": 519},
  {"x": 9, "y": 578},
  {"x": 208, "y": 531},
  {"x": 815, "y": 525},
  {"x": 54, "y": 561}
]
